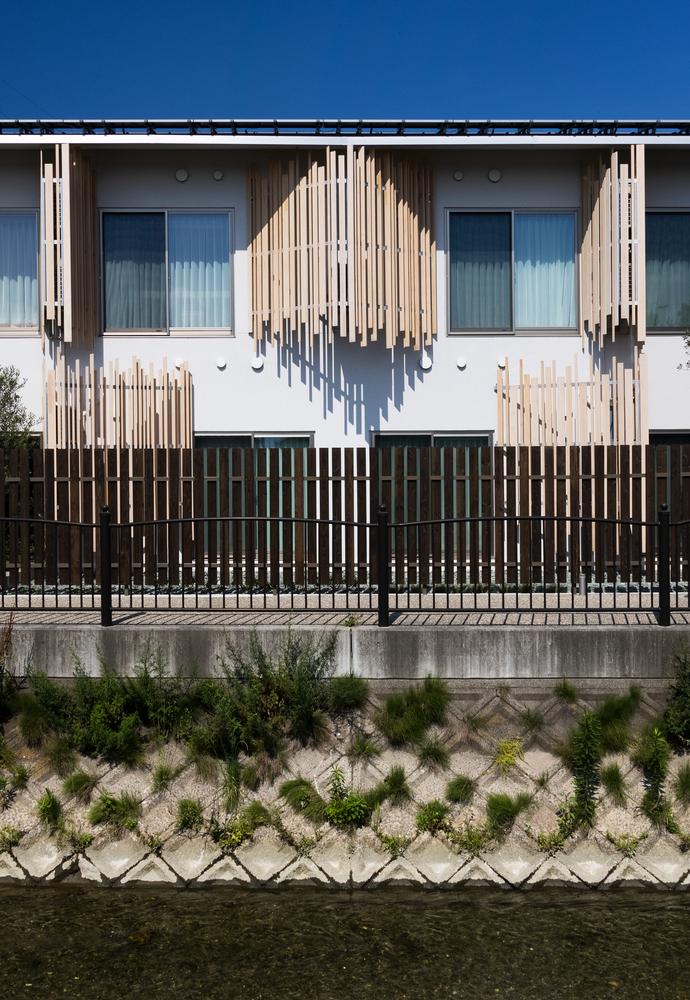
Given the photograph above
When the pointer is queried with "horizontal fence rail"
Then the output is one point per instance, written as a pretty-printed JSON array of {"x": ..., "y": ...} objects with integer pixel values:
[{"x": 256, "y": 562}]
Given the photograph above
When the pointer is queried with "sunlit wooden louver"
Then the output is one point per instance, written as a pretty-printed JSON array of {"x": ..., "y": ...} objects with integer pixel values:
[
  {"x": 612, "y": 285},
  {"x": 341, "y": 245},
  {"x": 69, "y": 246}
]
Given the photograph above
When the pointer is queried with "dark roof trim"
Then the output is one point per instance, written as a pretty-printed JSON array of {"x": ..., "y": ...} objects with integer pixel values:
[{"x": 342, "y": 127}]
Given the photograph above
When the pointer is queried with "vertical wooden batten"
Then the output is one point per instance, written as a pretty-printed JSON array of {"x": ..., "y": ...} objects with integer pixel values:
[
  {"x": 341, "y": 243},
  {"x": 69, "y": 246}
]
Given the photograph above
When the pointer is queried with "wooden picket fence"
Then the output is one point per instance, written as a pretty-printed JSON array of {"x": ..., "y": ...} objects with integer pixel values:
[{"x": 496, "y": 486}]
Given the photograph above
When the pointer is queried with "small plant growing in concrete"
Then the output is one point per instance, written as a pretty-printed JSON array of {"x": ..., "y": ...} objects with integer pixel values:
[
  {"x": 61, "y": 755},
  {"x": 10, "y": 836},
  {"x": 345, "y": 807},
  {"x": 395, "y": 845},
  {"x": 532, "y": 720},
  {"x": 235, "y": 831},
  {"x": 676, "y": 721},
  {"x": 508, "y": 753},
  {"x": 394, "y": 789},
  {"x": 363, "y": 747},
  {"x": 681, "y": 785},
  {"x": 613, "y": 784},
  {"x": 433, "y": 753},
  {"x": 542, "y": 780},
  {"x": 120, "y": 812},
  {"x": 49, "y": 809},
  {"x": 163, "y": 776},
  {"x": 71, "y": 836},
  {"x": 405, "y": 717},
  {"x": 347, "y": 694},
  {"x": 432, "y": 817},
  {"x": 652, "y": 755},
  {"x": 13, "y": 781},
  {"x": 190, "y": 816},
  {"x": 470, "y": 839},
  {"x": 301, "y": 796},
  {"x": 475, "y": 722},
  {"x": 566, "y": 692},
  {"x": 80, "y": 784},
  {"x": 502, "y": 810},
  {"x": 460, "y": 790},
  {"x": 626, "y": 843}
]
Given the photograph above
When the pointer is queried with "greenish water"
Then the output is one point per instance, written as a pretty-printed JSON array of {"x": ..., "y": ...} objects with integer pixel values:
[{"x": 69, "y": 941}]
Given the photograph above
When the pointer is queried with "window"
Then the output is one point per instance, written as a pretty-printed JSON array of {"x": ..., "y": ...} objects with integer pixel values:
[
  {"x": 252, "y": 441},
  {"x": 668, "y": 270},
  {"x": 419, "y": 440},
  {"x": 669, "y": 437},
  {"x": 512, "y": 271},
  {"x": 19, "y": 270},
  {"x": 166, "y": 271}
]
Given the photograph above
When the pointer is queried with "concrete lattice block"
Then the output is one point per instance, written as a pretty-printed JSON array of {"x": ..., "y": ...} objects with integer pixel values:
[
  {"x": 629, "y": 872},
  {"x": 150, "y": 869},
  {"x": 39, "y": 856},
  {"x": 399, "y": 870},
  {"x": 9, "y": 868},
  {"x": 115, "y": 857},
  {"x": 189, "y": 856},
  {"x": 302, "y": 870},
  {"x": 225, "y": 870},
  {"x": 476, "y": 872},
  {"x": 265, "y": 856},
  {"x": 434, "y": 859}
]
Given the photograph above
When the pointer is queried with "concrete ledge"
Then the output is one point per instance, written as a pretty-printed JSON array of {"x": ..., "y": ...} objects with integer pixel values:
[{"x": 501, "y": 652}]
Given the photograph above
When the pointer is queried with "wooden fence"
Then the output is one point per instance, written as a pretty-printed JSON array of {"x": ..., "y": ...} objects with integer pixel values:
[{"x": 415, "y": 484}]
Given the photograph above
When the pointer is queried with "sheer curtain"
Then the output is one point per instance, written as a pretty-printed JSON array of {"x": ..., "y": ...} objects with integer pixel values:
[
  {"x": 480, "y": 293},
  {"x": 545, "y": 270},
  {"x": 199, "y": 263},
  {"x": 18, "y": 269},
  {"x": 668, "y": 270},
  {"x": 134, "y": 262}
]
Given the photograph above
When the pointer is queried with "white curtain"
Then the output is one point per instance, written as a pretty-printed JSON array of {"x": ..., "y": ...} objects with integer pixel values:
[
  {"x": 545, "y": 271},
  {"x": 18, "y": 269},
  {"x": 198, "y": 256},
  {"x": 134, "y": 258},
  {"x": 668, "y": 270},
  {"x": 480, "y": 294}
]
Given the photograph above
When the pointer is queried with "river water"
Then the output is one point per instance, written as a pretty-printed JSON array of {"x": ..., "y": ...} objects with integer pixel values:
[{"x": 92, "y": 943}]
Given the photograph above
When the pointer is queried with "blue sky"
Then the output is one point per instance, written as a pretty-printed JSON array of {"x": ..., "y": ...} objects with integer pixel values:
[{"x": 206, "y": 58}]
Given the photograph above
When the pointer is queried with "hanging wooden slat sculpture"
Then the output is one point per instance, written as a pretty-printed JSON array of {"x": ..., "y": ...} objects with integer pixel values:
[
  {"x": 341, "y": 244},
  {"x": 612, "y": 286},
  {"x": 69, "y": 245},
  {"x": 553, "y": 409},
  {"x": 89, "y": 408}
]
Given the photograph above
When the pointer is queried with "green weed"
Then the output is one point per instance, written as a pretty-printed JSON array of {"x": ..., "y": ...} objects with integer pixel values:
[
  {"x": 460, "y": 790},
  {"x": 80, "y": 784},
  {"x": 347, "y": 694},
  {"x": 121, "y": 812},
  {"x": 49, "y": 810},
  {"x": 405, "y": 717},
  {"x": 432, "y": 753},
  {"x": 432, "y": 817},
  {"x": 613, "y": 784},
  {"x": 190, "y": 815}
]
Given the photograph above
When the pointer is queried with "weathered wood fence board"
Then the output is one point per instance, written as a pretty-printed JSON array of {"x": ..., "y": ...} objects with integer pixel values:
[{"x": 502, "y": 489}]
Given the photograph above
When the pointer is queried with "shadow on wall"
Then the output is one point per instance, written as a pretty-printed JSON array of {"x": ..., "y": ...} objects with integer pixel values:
[{"x": 366, "y": 382}]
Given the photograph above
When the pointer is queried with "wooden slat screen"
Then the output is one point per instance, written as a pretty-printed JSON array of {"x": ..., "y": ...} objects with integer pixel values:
[
  {"x": 341, "y": 243},
  {"x": 612, "y": 252},
  {"x": 87, "y": 407},
  {"x": 553, "y": 409},
  {"x": 69, "y": 246}
]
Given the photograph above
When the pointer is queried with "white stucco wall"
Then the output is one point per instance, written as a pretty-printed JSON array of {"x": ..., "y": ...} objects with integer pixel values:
[{"x": 342, "y": 392}]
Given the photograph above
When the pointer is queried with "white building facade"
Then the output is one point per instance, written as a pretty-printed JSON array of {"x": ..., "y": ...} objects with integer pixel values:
[{"x": 506, "y": 265}]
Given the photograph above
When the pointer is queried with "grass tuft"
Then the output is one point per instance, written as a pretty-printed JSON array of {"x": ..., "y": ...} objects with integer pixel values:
[
  {"x": 532, "y": 720},
  {"x": 80, "y": 784},
  {"x": 566, "y": 692},
  {"x": 363, "y": 747},
  {"x": 190, "y": 815},
  {"x": 508, "y": 753},
  {"x": 49, "y": 809},
  {"x": 502, "y": 810},
  {"x": 405, "y": 717},
  {"x": 460, "y": 790},
  {"x": 61, "y": 755},
  {"x": 432, "y": 753},
  {"x": 301, "y": 796},
  {"x": 613, "y": 784},
  {"x": 681, "y": 785},
  {"x": 347, "y": 694},
  {"x": 432, "y": 817},
  {"x": 121, "y": 812}
]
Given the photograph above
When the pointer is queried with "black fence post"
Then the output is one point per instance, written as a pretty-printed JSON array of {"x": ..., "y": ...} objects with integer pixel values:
[
  {"x": 106, "y": 583},
  {"x": 664, "y": 574},
  {"x": 383, "y": 565}
]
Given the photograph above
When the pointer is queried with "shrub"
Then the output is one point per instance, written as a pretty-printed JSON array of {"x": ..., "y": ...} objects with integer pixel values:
[
  {"x": 502, "y": 810},
  {"x": 16, "y": 422},
  {"x": 682, "y": 785},
  {"x": 396, "y": 845},
  {"x": 232, "y": 781},
  {"x": 49, "y": 810},
  {"x": 405, "y": 717},
  {"x": 121, "y": 812},
  {"x": 460, "y": 790},
  {"x": 345, "y": 807},
  {"x": 262, "y": 768},
  {"x": 432, "y": 816},
  {"x": 11, "y": 783},
  {"x": 508, "y": 753},
  {"x": 190, "y": 815},
  {"x": 676, "y": 719},
  {"x": 652, "y": 754},
  {"x": 232, "y": 833},
  {"x": 81, "y": 784},
  {"x": 470, "y": 839},
  {"x": 566, "y": 692},
  {"x": 165, "y": 702},
  {"x": 347, "y": 694},
  {"x": 363, "y": 747},
  {"x": 432, "y": 753},
  {"x": 613, "y": 784},
  {"x": 301, "y": 796},
  {"x": 614, "y": 713},
  {"x": 585, "y": 764}
]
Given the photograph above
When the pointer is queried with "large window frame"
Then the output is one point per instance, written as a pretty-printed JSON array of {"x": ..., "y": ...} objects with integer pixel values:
[
  {"x": 169, "y": 331},
  {"x": 27, "y": 331},
  {"x": 657, "y": 210},
  {"x": 513, "y": 329}
]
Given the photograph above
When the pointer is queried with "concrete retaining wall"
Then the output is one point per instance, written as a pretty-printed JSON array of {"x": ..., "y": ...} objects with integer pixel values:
[{"x": 497, "y": 653}]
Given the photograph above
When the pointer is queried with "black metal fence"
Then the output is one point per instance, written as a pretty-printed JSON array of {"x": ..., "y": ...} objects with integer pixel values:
[{"x": 290, "y": 564}]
